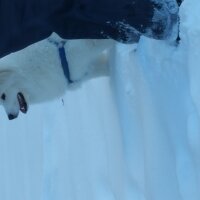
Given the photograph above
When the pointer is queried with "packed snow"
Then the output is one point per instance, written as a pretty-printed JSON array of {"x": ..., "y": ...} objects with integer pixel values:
[{"x": 133, "y": 136}]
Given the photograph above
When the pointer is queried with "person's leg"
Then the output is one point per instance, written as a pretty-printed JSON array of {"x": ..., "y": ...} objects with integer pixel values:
[
  {"x": 123, "y": 21},
  {"x": 25, "y": 22}
]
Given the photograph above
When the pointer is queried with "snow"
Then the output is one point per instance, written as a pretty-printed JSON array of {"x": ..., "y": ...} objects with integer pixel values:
[{"x": 133, "y": 136}]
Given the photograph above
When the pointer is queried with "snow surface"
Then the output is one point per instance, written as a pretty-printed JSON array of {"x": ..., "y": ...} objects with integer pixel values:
[{"x": 133, "y": 136}]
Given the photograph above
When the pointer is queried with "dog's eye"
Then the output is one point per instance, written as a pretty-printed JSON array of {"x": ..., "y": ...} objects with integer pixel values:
[{"x": 3, "y": 97}]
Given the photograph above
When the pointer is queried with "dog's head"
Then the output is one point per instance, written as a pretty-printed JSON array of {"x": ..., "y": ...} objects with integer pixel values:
[
  {"x": 12, "y": 97},
  {"x": 14, "y": 104}
]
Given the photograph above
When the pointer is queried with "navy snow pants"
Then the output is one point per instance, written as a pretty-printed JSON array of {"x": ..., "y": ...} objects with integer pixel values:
[{"x": 24, "y": 22}]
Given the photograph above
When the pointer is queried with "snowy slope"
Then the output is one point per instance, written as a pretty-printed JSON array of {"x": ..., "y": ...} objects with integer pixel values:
[{"x": 133, "y": 136}]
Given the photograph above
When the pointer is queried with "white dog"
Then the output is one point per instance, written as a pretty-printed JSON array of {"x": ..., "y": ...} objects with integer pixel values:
[{"x": 35, "y": 74}]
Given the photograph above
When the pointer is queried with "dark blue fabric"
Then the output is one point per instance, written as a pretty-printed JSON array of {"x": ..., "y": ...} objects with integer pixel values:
[
  {"x": 64, "y": 63},
  {"x": 23, "y": 22},
  {"x": 60, "y": 45}
]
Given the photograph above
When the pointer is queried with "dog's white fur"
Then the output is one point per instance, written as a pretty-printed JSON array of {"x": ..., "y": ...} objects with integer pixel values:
[{"x": 36, "y": 71}]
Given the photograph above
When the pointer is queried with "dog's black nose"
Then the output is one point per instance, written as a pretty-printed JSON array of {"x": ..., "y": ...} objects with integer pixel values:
[{"x": 11, "y": 116}]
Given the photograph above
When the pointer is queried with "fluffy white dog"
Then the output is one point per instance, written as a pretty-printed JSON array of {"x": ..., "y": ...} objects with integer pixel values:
[{"x": 35, "y": 74}]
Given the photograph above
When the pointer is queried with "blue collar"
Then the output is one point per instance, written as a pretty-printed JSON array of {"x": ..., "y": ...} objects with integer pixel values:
[{"x": 62, "y": 55}]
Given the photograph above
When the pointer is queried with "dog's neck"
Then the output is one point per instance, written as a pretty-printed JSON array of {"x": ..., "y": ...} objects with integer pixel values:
[{"x": 60, "y": 45}]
